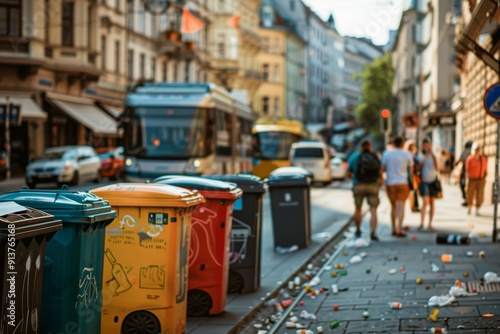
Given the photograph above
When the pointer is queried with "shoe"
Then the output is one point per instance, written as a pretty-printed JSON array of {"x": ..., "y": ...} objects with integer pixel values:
[
  {"x": 394, "y": 233},
  {"x": 430, "y": 228},
  {"x": 477, "y": 212},
  {"x": 464, "y": 204},
  {"x": 401, "y": 235},
  {"x": 374, "y": 237},
  {"x": 421, "y": 227},
  {"x": 415, "y": 210},
  {"x": 468, "y": 211},
  {"x": 358, "y": 233}
]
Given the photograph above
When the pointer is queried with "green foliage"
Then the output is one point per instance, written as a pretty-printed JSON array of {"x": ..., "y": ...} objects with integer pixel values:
[{"x": 376, "y": 93}]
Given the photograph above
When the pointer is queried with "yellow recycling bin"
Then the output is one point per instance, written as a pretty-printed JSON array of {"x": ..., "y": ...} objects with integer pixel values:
[{"x": 146, "y": 258}]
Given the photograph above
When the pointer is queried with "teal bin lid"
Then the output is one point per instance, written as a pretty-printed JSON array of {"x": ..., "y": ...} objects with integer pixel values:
[
  {"x": 246, "y": 182},
  {"x": 193, "y": 182},
  {"x": 66, "y": 205}
]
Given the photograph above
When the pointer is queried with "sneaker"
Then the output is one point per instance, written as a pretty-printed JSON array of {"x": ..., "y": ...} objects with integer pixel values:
[
  {"x": 464, "y": 204},
  {"x": 468, "y": 210},
  {"x": 374, "y": 237},
  {"x": 477, "y": 212},
  {"x": 358, "y": 233}
]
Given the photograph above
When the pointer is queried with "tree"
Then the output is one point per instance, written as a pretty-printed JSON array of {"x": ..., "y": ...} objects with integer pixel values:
[{"x": 376, "y": 93}]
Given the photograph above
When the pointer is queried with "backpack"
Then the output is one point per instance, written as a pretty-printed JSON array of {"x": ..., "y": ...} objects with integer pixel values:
[{"x": 368, "y": 169}]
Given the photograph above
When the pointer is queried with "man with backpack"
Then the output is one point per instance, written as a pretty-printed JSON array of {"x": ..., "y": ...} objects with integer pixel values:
[{"x": 365, "y": 170}]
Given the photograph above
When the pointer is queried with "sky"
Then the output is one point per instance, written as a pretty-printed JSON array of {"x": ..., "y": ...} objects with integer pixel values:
[{"x": 362, "y": 18}]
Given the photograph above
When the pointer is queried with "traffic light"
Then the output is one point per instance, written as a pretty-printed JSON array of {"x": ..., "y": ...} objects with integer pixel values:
[{"x": 385, "y": 121}]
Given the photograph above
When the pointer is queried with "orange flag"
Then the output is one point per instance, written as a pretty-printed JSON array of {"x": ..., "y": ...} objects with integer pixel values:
[
  {"x": 190, "y": 24},
  {"x": 234, "y": 21}
]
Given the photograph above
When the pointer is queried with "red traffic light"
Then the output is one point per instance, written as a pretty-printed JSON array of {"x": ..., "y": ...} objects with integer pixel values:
[{"x": 385, "y": 113}]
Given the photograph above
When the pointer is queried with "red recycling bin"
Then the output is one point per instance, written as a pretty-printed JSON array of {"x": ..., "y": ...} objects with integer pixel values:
[{"x": 210, "y": 242}]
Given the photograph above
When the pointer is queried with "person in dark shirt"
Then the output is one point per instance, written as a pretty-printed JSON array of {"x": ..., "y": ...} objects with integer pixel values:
[{"x": 463, "y": 158}]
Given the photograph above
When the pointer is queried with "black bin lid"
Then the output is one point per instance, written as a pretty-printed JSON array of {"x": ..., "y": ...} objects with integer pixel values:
[
  {"x": 246, "y": 182},
  {"x": 282, "y": 181}
]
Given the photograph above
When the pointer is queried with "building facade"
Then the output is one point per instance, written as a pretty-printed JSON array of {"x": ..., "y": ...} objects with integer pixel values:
[
  {"x": 478, "y": 42},
  {"x": 296, "y": 74},
  {"x": 69, "y": 64}
]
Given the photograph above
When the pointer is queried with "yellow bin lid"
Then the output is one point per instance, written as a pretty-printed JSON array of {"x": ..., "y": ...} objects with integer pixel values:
[{"x": 142, "y": 194}]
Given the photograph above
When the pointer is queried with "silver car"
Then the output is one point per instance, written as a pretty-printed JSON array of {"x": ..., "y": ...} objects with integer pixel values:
[{"x": 64, "y": 165}]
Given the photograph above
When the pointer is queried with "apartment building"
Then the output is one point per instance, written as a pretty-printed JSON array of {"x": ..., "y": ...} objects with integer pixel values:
[
  {"x": 69, "y": 64},
  {"x": 477, "y": 59}
]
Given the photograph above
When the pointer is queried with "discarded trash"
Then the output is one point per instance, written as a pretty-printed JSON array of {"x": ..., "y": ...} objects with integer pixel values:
[
  {"x": 460, "y": 291},
  {"x": 310, "y": 266},
  {"x": 291, "y": 286},
  {"x": 440, "y": 300},
  {"x": 257, "y": 326},
  {"x": 434, "y": 268},
  {"x": 396, "y": 305},
  {"x": 427, "y": 287},
  {"x": 358, "y": 243},
  {"x": 413, "y": 237},
  {"x": 418, "y": 281},
  {"x": 261, "y": 332},
  {"x": 346, "y": 253},
  {"x": 363, "y": 254},
  {"x": 287, "y": 302},
  {"x": 466, "y": 274},
  {"x": 273, "y": 318},
  {"x": 290, "y": 324},
  {"x": 481, "y": 254},
  {"x": 392, "y": 271},
  {"x": 306, "y": 315},
  {"x": 335, "y": 288},
  {"x": 365, "y": 314},
  {"x": 299, "y": 325},
  {"x": 304, "y": 331},
  {"x": 315, "y": 281},
  {"x": 434, "y": 314},
  {"x": 490, "y": 277},
  {"x": 395, "y": 258},
  {"x": 319, "y": 329},
  {"x": 301, "y": 303},
  {"x": 338, "y": 265},
  {"x": 335, "y": 307},
  {"x": 368, "y": 270},
  {"x": 454, "y": 239},
  {"x": 343, "y": 272},
  {"x": 343, "y": 289},
  {"x": 355, "y": 259},
  {"x": 296, "y": 280},
  {"x": 284, "y": 250},
  {"x": 469, "y": 253},
  {"x": 425, "y": 251},
  {"x": 322, "y": 235},
  {"x": 334, "y": 324},
  {"x": 333, "y": 274},
  {"x": 488, "y": 315},
  {"x": 294, "y": 319},
  {"x": 438, "y": 330},
  {"x": 446, "y": 258}
]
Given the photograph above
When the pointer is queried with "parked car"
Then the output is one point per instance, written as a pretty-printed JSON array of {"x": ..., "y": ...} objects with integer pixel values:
[
  {"x": 112, "y": 161},
  {"x": 338, "y": 168},
  {"x": 64, "y": 165},
  {"x": 313, "y": 156}
]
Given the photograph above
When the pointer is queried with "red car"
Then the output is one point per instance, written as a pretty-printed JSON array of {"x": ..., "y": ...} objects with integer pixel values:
[{"x": 112, "y": 161}]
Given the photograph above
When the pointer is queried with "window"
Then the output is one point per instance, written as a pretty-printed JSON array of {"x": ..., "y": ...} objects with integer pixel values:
[
  {"x": 68, "y": 23},
  {"x": 276, "y": 106},
  {"x": 130, "y": 14},
  {"x": 221, "y": 46},
  {"x": 277, "y": 46},
  {"x": 10, "y": 17},
  {"x": 163, "y": 22},
  {"x": 276, "y": 73},
  {"x": 265, "y": 72},
  {"x": 265, "y": 105},
  {"x": 292, "y": 5},
  {"x": 234, "y": 47},
  {"x": 103, "y": 53},
  {"x": 265, "y": 44},
  {"x": 187, "y": 68},
  {"x": 220, "y": 5},
  {"x": 414, "y": 33},
  {"x": 164, "y": 71},
  {"x": 89, "y": 25},
  {"x": 130, "y": 64},
  {"x": 175, "y": 71},
  {"x": 153, "y": 69},
  {"x": 117, "y": 56},
  {"x": 117, "y": 4},
  {"x": 142, "y": 18},
  {"x": 142, "y": 65}
]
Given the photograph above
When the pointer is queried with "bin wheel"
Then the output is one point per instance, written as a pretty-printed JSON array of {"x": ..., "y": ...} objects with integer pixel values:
[
  {"x": 235, "y": 282},
  {"x": 141, "y": 322},
  {"x": 199, "y": 303}
]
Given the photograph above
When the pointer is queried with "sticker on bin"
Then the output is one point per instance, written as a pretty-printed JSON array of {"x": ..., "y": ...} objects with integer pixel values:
[
  {"x": 238, "y": 204},
  {"x": 158, "y": 218}
]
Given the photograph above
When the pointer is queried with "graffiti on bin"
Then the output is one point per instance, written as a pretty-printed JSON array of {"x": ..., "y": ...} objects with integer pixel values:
[
  {"x": 128, "y": 221},
  {"x": 239, "y": 241},
  {"x": 119, "y": 275},
  {"x": 183, "y": 262},
  {"x": 29, "y": 313},
  {"x": 202, "y": 234},
  {"x": 152, "y": 277},
  {"x": 88, "y": 292}
]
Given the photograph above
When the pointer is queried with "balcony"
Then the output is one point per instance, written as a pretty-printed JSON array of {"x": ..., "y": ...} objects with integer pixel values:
[
  {"x": 223, "y": 63},
  {"x": 252, "y": 74},
  {"x": 250, "y": 37},
  {"x": 14, "y": 44}
]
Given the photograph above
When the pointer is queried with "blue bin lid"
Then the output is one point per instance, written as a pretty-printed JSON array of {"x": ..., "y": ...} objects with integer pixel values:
[
  {"x": 67, "y": 205},
  {"x": 247, "y": 182}
]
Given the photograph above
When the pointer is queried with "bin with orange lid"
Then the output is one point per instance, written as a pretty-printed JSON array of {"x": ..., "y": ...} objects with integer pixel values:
[
  {"x": 210, "y": 242},
  {"x": 146, "y": 252}
]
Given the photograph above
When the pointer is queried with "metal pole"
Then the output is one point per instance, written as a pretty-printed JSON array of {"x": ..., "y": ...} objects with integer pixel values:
[
  {"x": 495, "y": 186},
  {"x": 7, "y": 138}
]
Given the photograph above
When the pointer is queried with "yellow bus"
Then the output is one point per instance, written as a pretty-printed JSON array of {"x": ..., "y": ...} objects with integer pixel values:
[{"x": 272, "y": 139}]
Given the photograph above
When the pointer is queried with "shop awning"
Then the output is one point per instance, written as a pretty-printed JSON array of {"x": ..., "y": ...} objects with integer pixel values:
[
  {"x": 114, "y": 111},
  {"x": 88, "y": 115},
  {"x": 29, "y": 109}
]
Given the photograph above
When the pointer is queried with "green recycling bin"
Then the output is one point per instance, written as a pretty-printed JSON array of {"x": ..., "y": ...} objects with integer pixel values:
[
  {"x": 72, "y": 284},
  {"x": 245, "y": 251},
  {"x": 23, "y": 236}
]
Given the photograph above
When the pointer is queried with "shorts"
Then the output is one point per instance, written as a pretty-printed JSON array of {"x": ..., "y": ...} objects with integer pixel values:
[
  {"x": 398, "y": 192},
  {"x": 427, "y": 189},
  {"x": 368, "y": 190}
]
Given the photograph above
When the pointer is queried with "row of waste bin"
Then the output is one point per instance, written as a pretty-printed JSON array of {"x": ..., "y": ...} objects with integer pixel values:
[{"x": 138, "y": 258}]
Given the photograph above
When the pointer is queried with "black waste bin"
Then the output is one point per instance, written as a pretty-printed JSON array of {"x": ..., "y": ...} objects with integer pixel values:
[
  {"x": 23, "y": 234},
  {"x": 290, "y": 209},
  {"x": 244, "y": 260}
]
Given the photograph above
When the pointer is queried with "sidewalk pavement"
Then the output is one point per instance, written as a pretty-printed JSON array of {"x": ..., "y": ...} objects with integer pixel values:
[{"x": 410, "y": 271}]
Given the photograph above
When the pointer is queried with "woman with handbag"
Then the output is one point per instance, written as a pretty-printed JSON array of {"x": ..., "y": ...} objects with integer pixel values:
[
  {"x": 413, "y": 179},
  {"x": 428, "y": 172},
  {"x": 475, "y": 168}
]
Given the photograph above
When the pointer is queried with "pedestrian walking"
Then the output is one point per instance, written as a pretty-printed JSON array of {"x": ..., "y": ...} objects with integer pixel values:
[
  {"x": 463, "y": 158},
  {"x": 476, "y": 169},
  {"x": 411, "y": 146},
  {"x": 396, "y": 164},
  {"x": 428, "y": 166},
  {"x": 364, "y": 168}
]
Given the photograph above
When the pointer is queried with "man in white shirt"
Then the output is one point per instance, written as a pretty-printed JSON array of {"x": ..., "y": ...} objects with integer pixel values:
[{"x": 398, "y": 167}]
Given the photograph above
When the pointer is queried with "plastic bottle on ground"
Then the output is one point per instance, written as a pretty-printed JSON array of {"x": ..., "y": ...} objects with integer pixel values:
[{"x": 285, "y": 250}]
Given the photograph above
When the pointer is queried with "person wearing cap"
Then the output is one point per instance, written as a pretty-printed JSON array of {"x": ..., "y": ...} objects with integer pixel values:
[
  {"x": 463, "y": 158},
  {"x": 475, "y": 167}
]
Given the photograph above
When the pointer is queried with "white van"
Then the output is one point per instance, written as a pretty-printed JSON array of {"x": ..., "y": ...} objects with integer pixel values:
[{"x": 313, "y": 156}]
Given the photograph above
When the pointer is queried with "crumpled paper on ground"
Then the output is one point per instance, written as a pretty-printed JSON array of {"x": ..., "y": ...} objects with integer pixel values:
[
  {"x": 358, "y": 243},
  {"x": 457, "y": 291},
  {"x": 490, "y": 277},
  {"x": 440, "y": 300}
]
